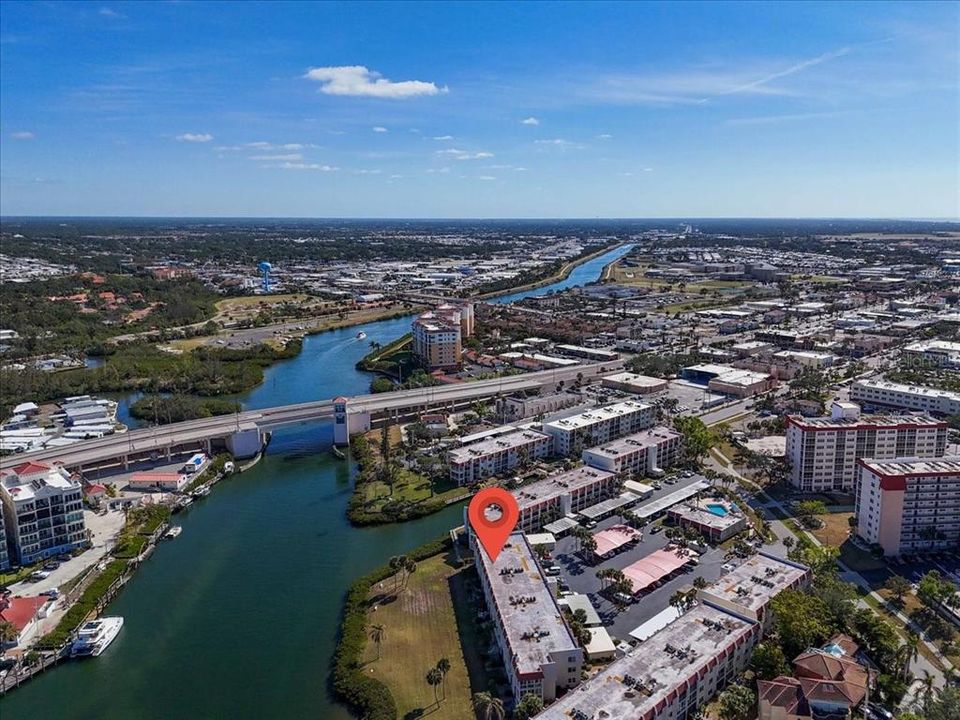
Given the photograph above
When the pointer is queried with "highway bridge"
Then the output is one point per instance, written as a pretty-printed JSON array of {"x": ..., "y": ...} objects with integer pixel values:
[{"x": 244, "y": 432}]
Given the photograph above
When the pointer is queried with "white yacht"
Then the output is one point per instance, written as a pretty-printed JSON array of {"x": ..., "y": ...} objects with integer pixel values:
[
  {"x": 173, "y": 532},
  {"x": 95, "y": 636}
]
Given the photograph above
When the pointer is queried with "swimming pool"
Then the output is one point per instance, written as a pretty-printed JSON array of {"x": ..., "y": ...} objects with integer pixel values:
[{"x": 717, "y": 509}]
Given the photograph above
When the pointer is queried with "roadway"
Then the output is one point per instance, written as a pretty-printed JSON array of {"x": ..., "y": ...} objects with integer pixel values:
[{"x": 196, "y": 432}]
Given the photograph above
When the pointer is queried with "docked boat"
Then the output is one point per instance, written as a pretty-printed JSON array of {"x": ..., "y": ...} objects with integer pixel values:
[
  {"x": 95, "y": 636},
  {"x": 361, "y": 335},
  {"x": 201, "y": 491},
  {"x": 173, "y": 532}
]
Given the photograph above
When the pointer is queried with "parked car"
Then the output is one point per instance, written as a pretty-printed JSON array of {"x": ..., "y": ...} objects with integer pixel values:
[
  {"x": 623, "y": 598},
  {"x": 51, "y": 593},
  {"x": 39, "y": 575},
  {"x": 656, "y": 529}
]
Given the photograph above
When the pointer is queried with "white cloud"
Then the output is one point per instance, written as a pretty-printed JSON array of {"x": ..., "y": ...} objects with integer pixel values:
[
  {"x": 457, "y": 154},
  {"x": 289, "y": 157},
  {"x": 486, "y": 177},
  {"x": 375, "y": 171},
  {"x": 559, "y": 143},
  {"x": 442, "y": 171},
  {"x": 22, "y": 135},
  {"x": 443, "y": 137},
  {"x": 195, "y": 137},
  {"x": 303, "y": 166},
  {"x": 108, "y": 12},
  {"x": 604, "y": 136},
  {"x": 379, "y": 129},
  {"x": 530, "y": 121},
  {"x": 772, "y": 119},
  {"x": 264, "y": 145},
  {"x": 359, "y": 81}
]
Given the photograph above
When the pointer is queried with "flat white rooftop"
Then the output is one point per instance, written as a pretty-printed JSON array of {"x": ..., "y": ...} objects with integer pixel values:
[
  {"x": 531, "y": 618},
  {"x": 633, "y": 443},
  {"x": 559, "y": 484},
  {"x": 946, "y": 465},
  {"x": 642, "y": 679},
  {"x": 591, "y": 417},
  {"x": 500, "y": 443},
  {"x": 758, "y": 578},
  {"x": 667, "y": 501}
]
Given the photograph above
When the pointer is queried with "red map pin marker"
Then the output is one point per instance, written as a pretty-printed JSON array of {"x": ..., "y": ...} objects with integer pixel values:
[{"x": 493, "y": 533}]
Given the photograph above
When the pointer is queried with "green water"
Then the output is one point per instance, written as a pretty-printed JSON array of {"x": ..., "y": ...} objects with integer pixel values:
[{"x": 237, "y": 618}]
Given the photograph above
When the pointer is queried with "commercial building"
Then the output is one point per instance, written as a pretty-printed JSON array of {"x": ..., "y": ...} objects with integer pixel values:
[
  {"x": 517, "y": 408},
  {"x": 43, "y": 511},
  {"x": 570, "y": 435},
  {"x": 540, "y": 655},
  {"x": 595, "y": 354},
  {"x": 438, "y": 335},
  {"x": 910, "y": 397},
  {"x": 495, "y": 455},
  {"x": 644, "y": 453},
  {"x": 149, "y": 481},
  {"x": 566, "y": 493},
  {"x": 634, "y": 383},
  {"x": 682, "y": 666},
  {"x": 715, "y": 520},
  {"x": 729, "y": 380},
  {"x": 935, "y": 353},
  {"x": 909, "y": 505},
  {"x": 823, "y": 452}
]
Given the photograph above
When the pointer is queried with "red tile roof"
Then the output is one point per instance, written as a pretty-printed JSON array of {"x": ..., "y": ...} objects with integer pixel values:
[
  {"x": 28, "y": 468},
  {"x": 19, "y": 611}
]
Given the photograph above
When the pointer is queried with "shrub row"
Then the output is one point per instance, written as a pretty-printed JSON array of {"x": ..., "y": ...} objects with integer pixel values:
[
  {"x": 87, "y": 602},
  {"x": 368, "y": 697}
]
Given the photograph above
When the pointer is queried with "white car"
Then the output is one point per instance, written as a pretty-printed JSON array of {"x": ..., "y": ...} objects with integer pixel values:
[{"x": 727, "y": 567}]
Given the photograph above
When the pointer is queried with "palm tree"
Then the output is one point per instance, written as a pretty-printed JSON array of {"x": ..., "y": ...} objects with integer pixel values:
[
  {"x": 443, "y": 665},
  {"x": 8, "y": 633},
  {"x": 488, "y": 707},
  {"x": 377, "y": 633},
  {"x": 907, "y": 653},
  {"x": 397, "y": 562},
  {"x": 408, "y": 568},
  {"x": 434, "y": 678}
]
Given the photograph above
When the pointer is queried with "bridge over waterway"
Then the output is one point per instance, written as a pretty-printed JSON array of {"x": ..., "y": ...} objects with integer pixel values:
[{"x": 244, "y": 433}]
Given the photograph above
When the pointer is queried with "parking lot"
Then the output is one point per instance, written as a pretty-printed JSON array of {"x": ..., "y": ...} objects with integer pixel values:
[{"x": 580, "y": 576}]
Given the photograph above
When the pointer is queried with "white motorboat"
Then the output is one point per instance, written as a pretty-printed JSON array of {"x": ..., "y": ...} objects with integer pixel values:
[
  {"x": 173, "y": 532},
  {"x": 361, "y": 335},
  {"x": 95, "y": 636}
]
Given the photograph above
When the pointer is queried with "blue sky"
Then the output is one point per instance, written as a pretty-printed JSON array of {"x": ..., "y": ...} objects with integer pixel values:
[{"x": 480, "y": 110}]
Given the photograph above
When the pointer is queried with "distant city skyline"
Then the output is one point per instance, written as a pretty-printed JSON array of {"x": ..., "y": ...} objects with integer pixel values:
[{"x": 501, "y": 110}]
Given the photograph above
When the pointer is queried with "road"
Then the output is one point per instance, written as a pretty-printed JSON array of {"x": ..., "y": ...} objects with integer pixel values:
[{"x": 195, "y": 432}]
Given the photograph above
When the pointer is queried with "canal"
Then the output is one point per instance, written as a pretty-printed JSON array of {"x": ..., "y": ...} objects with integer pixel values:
[{"x": 237, "y": 618}]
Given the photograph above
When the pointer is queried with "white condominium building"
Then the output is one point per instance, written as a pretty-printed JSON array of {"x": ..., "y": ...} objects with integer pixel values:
[
  {"x": 540, "y": 655},
  {"x": 910, "y": 505},
  {"x": 4, "y": 554},
  {"x": 597, "y": 426},
  {"x": 643, "y": 453},
  {"x": 679, "y": 669},
  {"x": 910, "y": 397},
  {"x": 43, "y": 511},
  {"x": 823, "y": 452},
  {"x": 565, "y": 493},
  {"x": 477, "y": 461}
]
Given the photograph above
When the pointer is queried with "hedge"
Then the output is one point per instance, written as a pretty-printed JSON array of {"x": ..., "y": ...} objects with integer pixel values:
[
  {"x": 369, "y": 698},
  {"x": 57, "y": 637}
]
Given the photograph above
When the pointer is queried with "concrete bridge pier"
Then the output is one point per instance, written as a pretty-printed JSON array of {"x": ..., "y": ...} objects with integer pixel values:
[{"x": 245, "y": 443}]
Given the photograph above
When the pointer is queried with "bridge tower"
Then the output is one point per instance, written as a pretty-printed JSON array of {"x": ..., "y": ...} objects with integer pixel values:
[{"x": 341, "y": 421}]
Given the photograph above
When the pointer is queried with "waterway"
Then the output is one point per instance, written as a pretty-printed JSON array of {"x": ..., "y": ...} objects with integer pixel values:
[{"x": 237, "y": 617}]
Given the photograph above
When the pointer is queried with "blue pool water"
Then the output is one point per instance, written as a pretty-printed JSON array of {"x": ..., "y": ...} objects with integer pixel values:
[{"x": 717, "y": 509}]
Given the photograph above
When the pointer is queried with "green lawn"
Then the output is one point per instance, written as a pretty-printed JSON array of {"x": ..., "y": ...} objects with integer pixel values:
[
  {"x": 407, "y": 486},
  {"x": 420, "y": 627}
]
